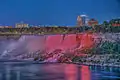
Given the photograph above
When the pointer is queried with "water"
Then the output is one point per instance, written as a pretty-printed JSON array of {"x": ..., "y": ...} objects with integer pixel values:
[
  {"x": 12, "y": 48},
  {"x": 32, "y": 71}
]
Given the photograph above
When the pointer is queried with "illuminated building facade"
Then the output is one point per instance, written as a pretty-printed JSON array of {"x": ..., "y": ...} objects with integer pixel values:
[
  {"x": 2, "y": 26},
  {"x": 82, "y": 20},
  {"x": 92, "y": 22},
  {"x": 21, "y": 25},
  {"x": 115, "y": 22},
  {"x": 6, "y": 27},
  {"x": 79, "y": 21}
]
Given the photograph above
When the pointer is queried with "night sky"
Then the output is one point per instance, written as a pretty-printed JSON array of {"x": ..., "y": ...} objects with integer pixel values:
[{"x": 56, "y": 12}]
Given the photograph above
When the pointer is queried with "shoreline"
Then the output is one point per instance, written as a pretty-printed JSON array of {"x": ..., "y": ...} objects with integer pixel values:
[
  {"x": 39, "y": 62},
  {"x": 104, "y": 60},
  {"x": 104, "y": 65}
]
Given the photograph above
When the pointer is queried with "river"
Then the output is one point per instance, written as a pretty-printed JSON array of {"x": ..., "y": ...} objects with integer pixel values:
[
  {"x": 57, "y": 71},
  {"x": 12, "y": 49}
]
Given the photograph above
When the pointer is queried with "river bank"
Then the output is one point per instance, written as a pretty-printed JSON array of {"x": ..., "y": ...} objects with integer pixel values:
[{"x": 107, "y": 60}]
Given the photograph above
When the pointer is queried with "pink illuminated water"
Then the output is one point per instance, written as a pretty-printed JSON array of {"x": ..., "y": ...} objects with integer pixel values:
[
  {"x": 68, "y": 42},
  {"x": 50, "y": 43},
  {"x": 53, "y": 42}
]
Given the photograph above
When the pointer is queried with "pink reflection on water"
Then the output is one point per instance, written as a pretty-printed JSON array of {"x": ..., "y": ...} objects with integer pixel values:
[
  {"x": 85, "y": 73},
  {"x": 71, "y": 72}
]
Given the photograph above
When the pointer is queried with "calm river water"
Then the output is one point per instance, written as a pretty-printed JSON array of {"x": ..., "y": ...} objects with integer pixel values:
[{"x": 32, "y": 71}]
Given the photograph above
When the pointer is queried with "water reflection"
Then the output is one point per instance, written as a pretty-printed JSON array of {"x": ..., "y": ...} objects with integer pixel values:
[
  {"x": 8, "y": 74},
  {"x": 71, "y": 72},
  {"x": 57, "y": 72},
  {"x": 85, "y": 73}
]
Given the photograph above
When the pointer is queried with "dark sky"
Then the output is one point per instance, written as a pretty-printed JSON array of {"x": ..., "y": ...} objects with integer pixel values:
[{"x": 56, "y": 12}]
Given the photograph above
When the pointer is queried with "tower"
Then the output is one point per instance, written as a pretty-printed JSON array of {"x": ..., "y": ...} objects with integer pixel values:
[
  {"x": 82, "y": 20},
  {"x": 79, "y": 21}
]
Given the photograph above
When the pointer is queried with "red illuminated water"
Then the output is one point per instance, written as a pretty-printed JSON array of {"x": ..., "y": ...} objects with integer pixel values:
[
  {"x": 71, "y": 72},
  {"x": 53, "y": 42},
  {"x": 71, "y": 43},
  {"x": 85, "y": 73},
  {"x": 29, "y": 71},
  {"x": 68, "y": 42}
]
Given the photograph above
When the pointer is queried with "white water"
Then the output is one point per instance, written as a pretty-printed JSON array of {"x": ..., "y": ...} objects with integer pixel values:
[{"x": 49, "y": 43}]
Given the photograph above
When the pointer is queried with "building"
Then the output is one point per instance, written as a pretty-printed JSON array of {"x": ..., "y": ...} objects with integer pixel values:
[
  {"x": 82, "y": 20},
  {"x": 5, "y": 26},
  {"x": 2, "y": 26},
  {"x": 92, "y": 22},
  {"x": 21, "y": 25},
  {"x": 79, "y": 21},
  {"x": 115, "y": 22},
  {"x": 8, "y": 27}
]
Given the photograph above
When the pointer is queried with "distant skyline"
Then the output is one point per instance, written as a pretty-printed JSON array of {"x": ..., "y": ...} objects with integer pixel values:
[{"x": 56, "y": 12}]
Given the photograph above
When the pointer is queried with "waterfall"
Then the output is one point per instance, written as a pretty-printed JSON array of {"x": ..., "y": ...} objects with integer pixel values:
[{"x": 26, "y": 44}]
